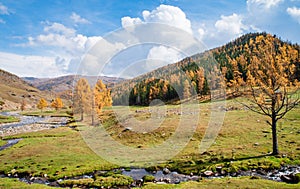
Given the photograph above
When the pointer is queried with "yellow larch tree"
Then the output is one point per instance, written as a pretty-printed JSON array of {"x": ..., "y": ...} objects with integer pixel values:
[
  {"x": 82, "y": 98},
  {"x": 102, "y": 97},
  {"x": 42, "y": 104},
  {"x": 57, "y": 103},
  {"x": 186, "y": 90},
  {"x": 269, "y": 77}
]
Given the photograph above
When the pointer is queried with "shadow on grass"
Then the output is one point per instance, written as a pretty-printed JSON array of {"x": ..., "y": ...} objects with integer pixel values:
[{"x": 252, "y": 157}]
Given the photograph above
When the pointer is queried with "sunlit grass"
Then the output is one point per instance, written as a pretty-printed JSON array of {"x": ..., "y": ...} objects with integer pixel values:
[
  {"x": 58, "y": 153},
  {"x": 8, "y": 119},
  {"x": 238, "y": 183},
  {"x": 16, "y": 184},
  {"x": 243, "y": 143}
]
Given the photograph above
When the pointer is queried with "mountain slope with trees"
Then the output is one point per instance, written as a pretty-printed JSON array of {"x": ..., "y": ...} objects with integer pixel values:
[
  {"x": 260, "y": 67},
  {"x": 218, "y": 68}
]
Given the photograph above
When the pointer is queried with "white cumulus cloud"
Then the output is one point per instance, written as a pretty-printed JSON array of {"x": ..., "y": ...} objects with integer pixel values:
[
  {"x": 169, "y": 26},
  {"x": 38, "y": 66},
  {"x": 58, "y": 35},
  {"x": 164, "y": 14},
  {"x": 128, "y": 21},
  {"x": 159, "y": 56},
  {"x": 168, "y": 14},
  {"x": 64, "y": 44},
  {"x": 224, "y": 29},
  {"x": 77, "y": 19},
  {"x": 167, "y": 54},
  {"x": 231, "y": 25},
  {"x": 294, "y": 12}
]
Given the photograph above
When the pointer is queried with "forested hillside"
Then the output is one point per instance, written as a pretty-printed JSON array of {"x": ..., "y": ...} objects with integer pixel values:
[{"x": 225, "y": 66}]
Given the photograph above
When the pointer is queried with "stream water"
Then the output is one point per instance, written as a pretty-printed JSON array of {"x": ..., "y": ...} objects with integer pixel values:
[
  {"x": 24, "y": 120},
  {"x": 10, "y": 143},
  {"x": 160, "y": 176},
  {"x": 27, "y": 124},
  {"x": 170, "y": 177}
]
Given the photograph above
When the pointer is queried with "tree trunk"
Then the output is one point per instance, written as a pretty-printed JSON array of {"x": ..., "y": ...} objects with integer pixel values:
[
  {"x": 93, "y": 109},
  {"x": 81, "y": 114},
  {"x": 274, "y": 135}
]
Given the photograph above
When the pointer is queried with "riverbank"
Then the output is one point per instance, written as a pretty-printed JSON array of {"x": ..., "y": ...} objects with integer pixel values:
[
  {"x": 219, "y": 183},
  {"x": 8, "y": 119},
  {"x": 140, "y": 177}
]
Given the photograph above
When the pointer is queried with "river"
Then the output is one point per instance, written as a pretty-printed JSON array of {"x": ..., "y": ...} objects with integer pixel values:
[
  {"x": 24, "y": 120},
  {"x": 29, "y": 123}
]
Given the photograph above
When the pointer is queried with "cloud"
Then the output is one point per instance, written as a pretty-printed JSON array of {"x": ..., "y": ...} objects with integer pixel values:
[
  {"x": 3, "y": 9},
  {"x": 168, "y": 14},
  {"x": 164, "y": 14},
  {"x": 201, "y": 33},
  {"x": 63, "y": 44},
  {"x": 294, "y": 12},
  {"x": 73, "y": 52},
  {"x": 168, "y": 28},
  {"x": 231, "y": 25},
  {"x": 162, "y": 56},
  {"x": 224, "y": 29},
  {"x": 59, "y": 29},
  {"x": 97, "y": 58},
  {"x": 265, "y": 4},
  {"x": 128, "y": 21},
  {"x": 77, "y": 19},
  {"x": 38, "y": 66},
  {"x": 66, "y": 39}
]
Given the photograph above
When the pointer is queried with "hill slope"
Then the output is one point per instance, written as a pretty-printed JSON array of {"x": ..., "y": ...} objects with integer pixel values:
[
  {"x": 14, "y": 91},
  {"x": 65, "y": 83}
]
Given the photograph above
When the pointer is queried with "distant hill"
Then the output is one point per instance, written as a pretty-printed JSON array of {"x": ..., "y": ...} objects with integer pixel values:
[
  {"x": 64, "y": 83},
  {"x": 14, "y": 90},
  {"x": 231, "y": 60}
]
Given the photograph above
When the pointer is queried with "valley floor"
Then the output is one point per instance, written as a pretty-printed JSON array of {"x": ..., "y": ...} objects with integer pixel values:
[{"x": 243, "y": 144}]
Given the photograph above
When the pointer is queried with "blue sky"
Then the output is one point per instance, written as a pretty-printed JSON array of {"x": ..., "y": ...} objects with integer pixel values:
[{"x": 50, "y": 38}]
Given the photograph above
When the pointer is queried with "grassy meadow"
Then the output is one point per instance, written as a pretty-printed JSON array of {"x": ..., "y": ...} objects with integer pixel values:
[
  {"x": 243, "y": 143},
  {"x": 8, "y": 119}
]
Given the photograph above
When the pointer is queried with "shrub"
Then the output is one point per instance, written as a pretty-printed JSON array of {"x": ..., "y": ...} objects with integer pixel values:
[{"x": 148, "y": 178}]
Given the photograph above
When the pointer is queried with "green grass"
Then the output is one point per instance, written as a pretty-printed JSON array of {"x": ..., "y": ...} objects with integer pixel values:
[
  {"x": 8, "y": 119},
  {"x": 58, "y": 113},
  {"x": 242, "y": 144},
  {"x": 238, "y": 183},
  {"x": 16, "y": 184},
  {"x": 245, "y": 139},
  {"x": 104, "y": 181},
  {"x": 2, "y": 142},
  {"x": 58, "y": 153}
]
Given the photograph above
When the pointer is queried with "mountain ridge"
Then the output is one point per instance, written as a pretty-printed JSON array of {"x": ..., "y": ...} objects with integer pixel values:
[{"x": 63, "y": 83}]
